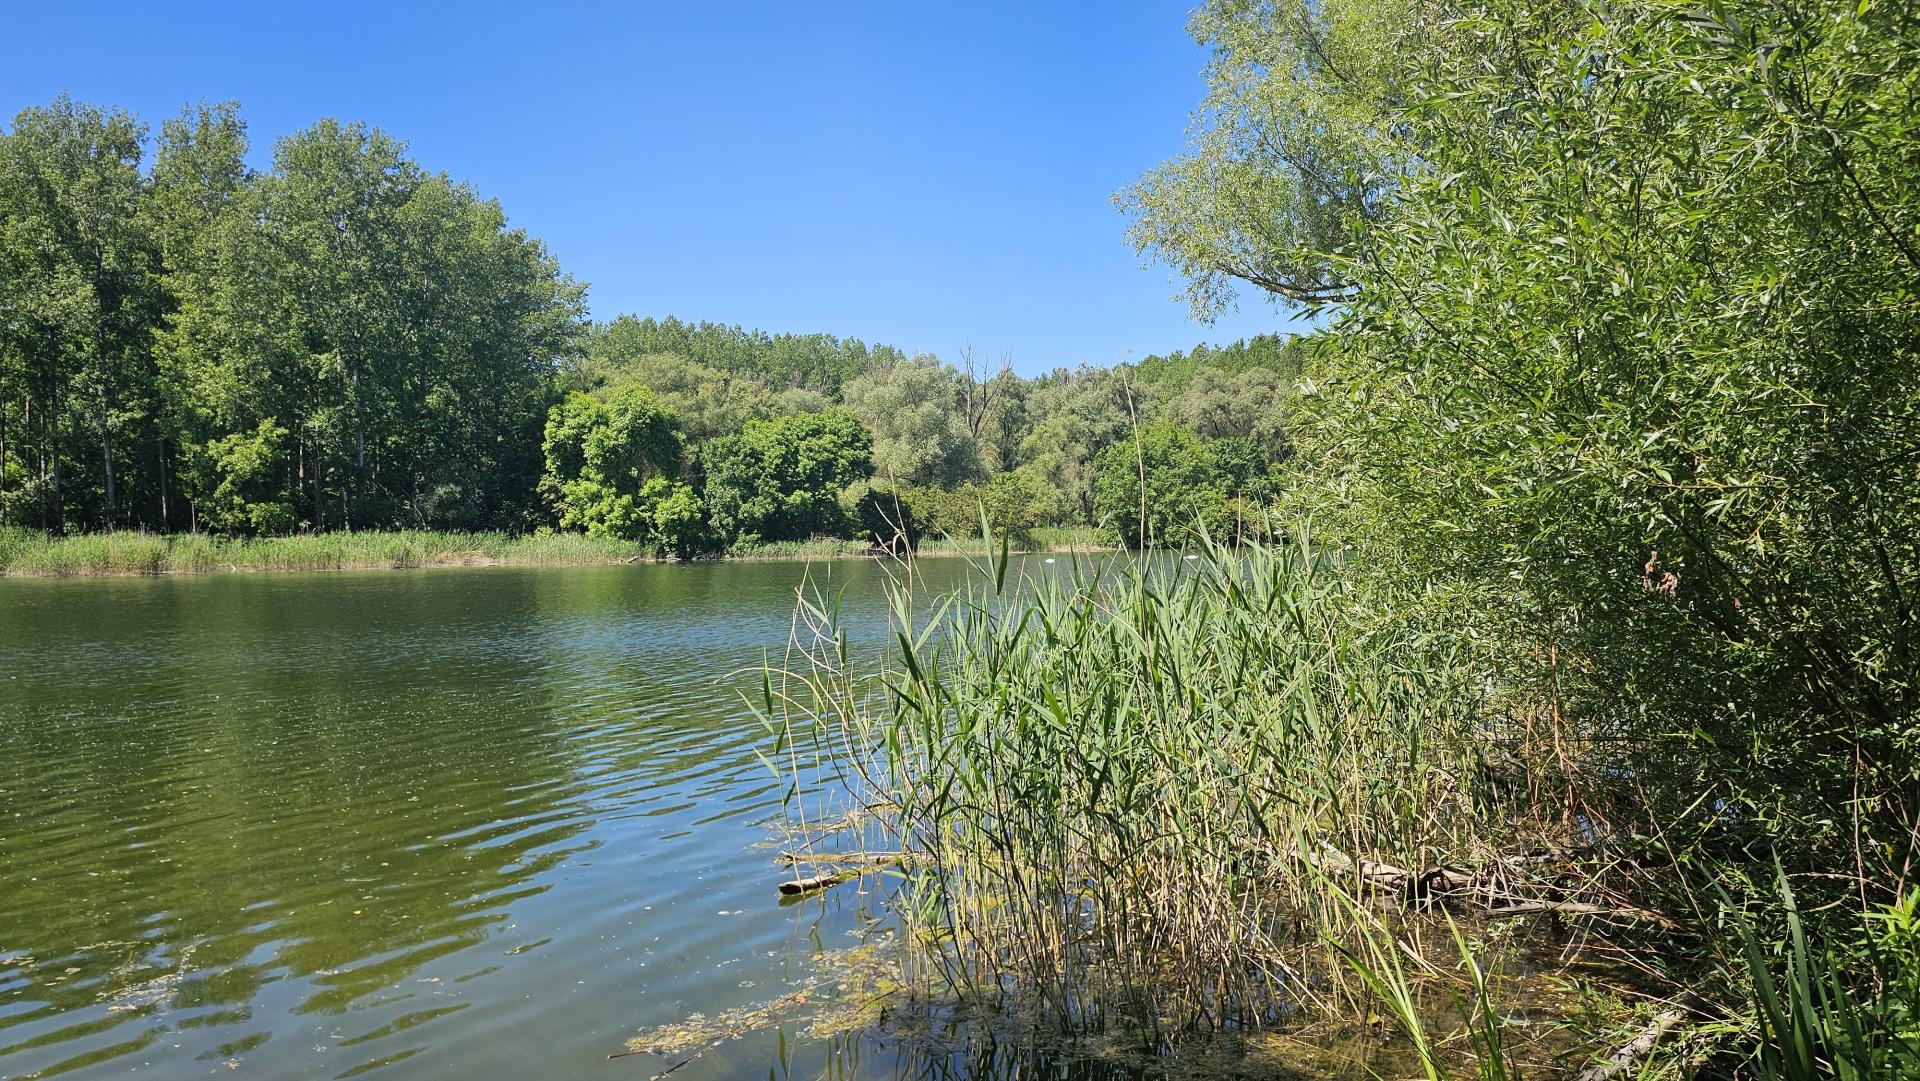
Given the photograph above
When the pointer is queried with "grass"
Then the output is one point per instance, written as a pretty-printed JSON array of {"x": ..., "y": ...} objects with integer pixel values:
[
  {"x": 29, "y": 553},
  {"x": 1118, "y": 774},
  {"x": 1121, "y": 785}
]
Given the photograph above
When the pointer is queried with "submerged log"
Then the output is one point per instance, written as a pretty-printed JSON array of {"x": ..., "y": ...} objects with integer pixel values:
[
  {"x": 1642, "y": 1045},
  {"x": 1487, "y": 887},
  {"x": 812, "y": 883},
  {"x": 873, "y": 859},
  {"x": 1516, "y": 907}
]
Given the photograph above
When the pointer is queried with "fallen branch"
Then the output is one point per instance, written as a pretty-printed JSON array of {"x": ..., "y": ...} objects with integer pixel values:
[
  {"x": 812, "y": 883},
  {"x": 875, "y": 859},
  {"x": 1486, "y": 887},
  {"x": 1580, "y": 908},
  {"x": 1641, "y": 1046}
]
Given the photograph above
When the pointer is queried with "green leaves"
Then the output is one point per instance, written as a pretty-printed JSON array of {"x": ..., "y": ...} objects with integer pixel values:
[
  {"x": 611, "y": 465},
  {"x": 783, "y": 479}
]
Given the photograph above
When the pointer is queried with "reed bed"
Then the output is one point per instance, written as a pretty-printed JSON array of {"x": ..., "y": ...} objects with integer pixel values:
[
  {"x": 30, "y": 553},
  {"x": 1123, "y": 781}
]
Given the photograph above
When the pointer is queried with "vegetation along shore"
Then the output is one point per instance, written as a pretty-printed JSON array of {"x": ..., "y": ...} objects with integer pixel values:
[
  {"x": 1571, "y": 731},
  {"x": 1537, "y": 692},
  {"x": 32, "y": 554}
]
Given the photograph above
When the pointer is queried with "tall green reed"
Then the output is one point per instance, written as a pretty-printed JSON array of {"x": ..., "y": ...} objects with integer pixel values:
[{"x": 1115, "y": 773}]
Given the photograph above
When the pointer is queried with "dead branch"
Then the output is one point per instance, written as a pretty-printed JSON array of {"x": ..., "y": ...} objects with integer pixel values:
[{"x": 1642, "y": 1045}]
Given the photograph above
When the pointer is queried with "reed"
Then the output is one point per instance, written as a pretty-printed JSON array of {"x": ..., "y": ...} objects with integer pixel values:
[
  {"x": 1119, "y": 775},
  {"x": 1817, "y": 1017},
  {"x": 28, "y": 553}
]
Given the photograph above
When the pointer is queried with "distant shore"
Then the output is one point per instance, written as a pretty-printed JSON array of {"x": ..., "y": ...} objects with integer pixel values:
[{"x": 30, "y": 554}]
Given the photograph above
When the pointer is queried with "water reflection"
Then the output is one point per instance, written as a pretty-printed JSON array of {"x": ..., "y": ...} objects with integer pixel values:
[
  {"x": 316, "y": 825},
  {"x": 471, "y": 823}
]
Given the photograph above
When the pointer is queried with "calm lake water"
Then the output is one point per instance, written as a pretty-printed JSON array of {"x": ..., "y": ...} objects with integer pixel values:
[{"x": 465, "y": 823}]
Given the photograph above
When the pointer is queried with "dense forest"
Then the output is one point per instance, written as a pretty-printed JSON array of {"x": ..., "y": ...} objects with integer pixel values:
[{"x": 349, "y": 341}]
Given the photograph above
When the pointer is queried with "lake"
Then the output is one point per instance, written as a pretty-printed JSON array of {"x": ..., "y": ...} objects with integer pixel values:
[{"x": 458, "y": 823}]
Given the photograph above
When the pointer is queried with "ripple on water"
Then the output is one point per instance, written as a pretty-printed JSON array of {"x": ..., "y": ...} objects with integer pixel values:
[{"x": 478, "y": 822}]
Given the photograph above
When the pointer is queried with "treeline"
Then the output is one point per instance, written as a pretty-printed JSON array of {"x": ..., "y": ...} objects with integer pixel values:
[
  {"x": 906, "y": 445},
  {"x": 343, "y": 341},
  {"x": 346, "y": 340}
]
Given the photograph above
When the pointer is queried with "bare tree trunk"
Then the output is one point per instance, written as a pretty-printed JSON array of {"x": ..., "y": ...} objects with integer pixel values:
[
  {"x": 3, "y": 453},
  {"x": 58, "y": 516},
  {"x": 106, "y": 456},
  {"x": 319, "y": 501},
  {"x": 166, "y": 525},
  {"x": 106, "y": 426},
  {"x": 352, "y": 505}
]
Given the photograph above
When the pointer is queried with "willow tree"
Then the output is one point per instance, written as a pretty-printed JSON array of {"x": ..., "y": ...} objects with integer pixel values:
[{"x": 1629, "y": 355}]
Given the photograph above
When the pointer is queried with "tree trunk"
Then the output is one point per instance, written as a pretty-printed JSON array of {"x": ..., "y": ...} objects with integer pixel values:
[
  {"x": 106, "y": 426},
  {"x": 165, "y": 524},
  {"x": 359, "y": 444},
  {"x": 3, "y": 454},
  {"x": 57, "y": 516},
  {"x": 319, "y": 501},
  {"x": 106, "y": 455}
]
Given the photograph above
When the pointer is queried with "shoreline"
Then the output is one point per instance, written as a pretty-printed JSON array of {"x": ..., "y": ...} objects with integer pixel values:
[{"x": 26, "y": 554}]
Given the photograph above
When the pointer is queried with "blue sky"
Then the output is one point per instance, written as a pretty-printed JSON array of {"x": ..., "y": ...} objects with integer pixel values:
[{"x": 931, "y": 176}]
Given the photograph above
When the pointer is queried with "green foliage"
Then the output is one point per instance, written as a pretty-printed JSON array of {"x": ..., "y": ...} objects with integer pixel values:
[
  {"x": 1627, "y": 361},
  {"x": 819, "y": 362},
  {"x": 611, "y": 469},
  {"x": 1108, "y": 768},
  {"x": 1159, "y": 488},
  {"x": 1172, "y": 373},
  {"x": 783, "y": 479},
  {"x": 385, "y": 316},
  {"x": 1814, "y": 1021},
  {"x": 1077, "y": 415},
  {"x": 920, "y": 436},
  {"x": 709, "y": 402},
  {"x": 75, "y": 283},
  {"x": 1658, "y": 395},
  {"x": 26, "y": 552},
  {"x": 1291, "y": 154},
  {"x": 236, "y": 482},
  {"x": 411, "y": 347},
  {"x": 1012, "y": 504}
]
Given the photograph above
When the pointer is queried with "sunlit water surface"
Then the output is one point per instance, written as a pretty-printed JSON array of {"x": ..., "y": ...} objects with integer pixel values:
[{"x": 465, "y": 823}]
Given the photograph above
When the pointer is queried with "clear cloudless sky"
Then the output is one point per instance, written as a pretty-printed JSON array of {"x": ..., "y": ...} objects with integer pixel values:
[{"x": 931, "y": 176}]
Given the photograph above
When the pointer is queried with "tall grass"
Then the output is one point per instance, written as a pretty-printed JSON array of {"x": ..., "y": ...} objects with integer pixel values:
[
  {"x": 1817, "y": 1020},
  {"x": 30, "y": 553},
  {"x": 1119, "y": 777}
]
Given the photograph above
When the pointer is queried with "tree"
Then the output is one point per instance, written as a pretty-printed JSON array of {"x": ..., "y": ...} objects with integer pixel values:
[
  {"x": 1080, "y": 414},
  {"x": 1005, "y": 421},
  {"x": 612, "y": 465},
  {"x": 818, "y": 362},
  {"x": 1288, "y": 163},
  {"x": 914, "y": 409},
  {"x": 1249, "y": 405},
  {"x": 80, "y": 306},
  {"x": 1158, "y": 489},
  {"x": 709, "y": 402},
  {"x": 1630, "y": 361},
  {"x": 239, "y": 481},
  {"x": 386, "y": 316},
  {"x": 199, "y": 171},
  {"x": 783, "y": 479}
]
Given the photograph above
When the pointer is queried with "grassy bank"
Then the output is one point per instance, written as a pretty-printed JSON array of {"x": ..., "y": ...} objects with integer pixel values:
[{"x": 27, "y": 553}]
